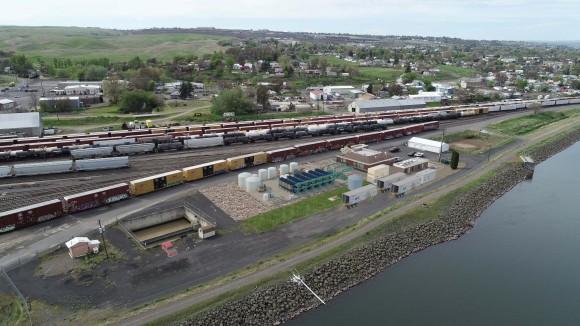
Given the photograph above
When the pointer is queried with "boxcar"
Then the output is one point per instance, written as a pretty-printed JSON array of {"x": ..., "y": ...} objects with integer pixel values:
[
  {"x": 30, "y": 215},
  {"x": 414, "y": 129},
  {"x": 204, "y": 170},
  {"x": 156, "y": 182},
  {"x": 371, "y": 137},
  {"x": 281, "y": 154},
  {"x": 310, "y": 148},
  {"x": 341, "y": 142},
  {"x": 95, "y": 198},
  {"x": 240, "y": 162}
]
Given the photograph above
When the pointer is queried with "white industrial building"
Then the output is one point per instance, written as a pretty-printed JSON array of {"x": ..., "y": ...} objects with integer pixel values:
[
  {"x": 342, "y": 90},
  {"x": 83, "y": 90},
  {"x": 428, "y": 97},
  {"x": 427, "y": 145},
  {"x": 26, "y": 124}
]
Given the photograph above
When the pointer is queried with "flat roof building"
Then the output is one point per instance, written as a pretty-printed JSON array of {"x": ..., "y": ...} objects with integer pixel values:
[
  {"x": 27, "y": 124},
  {"x": 364, "y": 159},
  {"x": 412, "y": 165}
]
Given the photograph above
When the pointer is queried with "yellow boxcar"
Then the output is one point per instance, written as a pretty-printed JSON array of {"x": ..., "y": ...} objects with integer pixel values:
[
  {"x": 173, "y": 178},
  {"x": 156, "y": 182},
  {"x": 204, "y": 170},
  {"x": 240, "y": 162},
  {"x": 141, "y": 186}
]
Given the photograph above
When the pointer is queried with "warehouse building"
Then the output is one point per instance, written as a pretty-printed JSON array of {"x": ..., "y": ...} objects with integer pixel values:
[
  {"x": 342, "y": 90},
  {"x": 25, "y": 124},
  {"x": 364, "y": 159},
  {"x": 73, "y": 102},
  {"x": 363, "y": 106},
  {"x": 428, "y": 145},
  {"x": 428, "y": 97}
]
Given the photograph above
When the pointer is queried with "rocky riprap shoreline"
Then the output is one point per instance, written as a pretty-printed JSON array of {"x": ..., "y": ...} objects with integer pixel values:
[{"x": 281, "y": 302}]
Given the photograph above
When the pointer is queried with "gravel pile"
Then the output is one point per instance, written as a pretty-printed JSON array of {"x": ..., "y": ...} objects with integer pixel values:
[
  {"x": 237, "y": 203},
  {"x": 283, "y": 301}
]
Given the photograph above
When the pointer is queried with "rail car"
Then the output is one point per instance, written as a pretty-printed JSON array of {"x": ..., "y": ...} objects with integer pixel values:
[
  {"x": 38, "y": 213},
  {"x": 55, "y": 167}
]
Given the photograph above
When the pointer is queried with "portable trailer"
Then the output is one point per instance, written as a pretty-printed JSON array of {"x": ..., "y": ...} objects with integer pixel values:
[{"x": 353, "y": 197}]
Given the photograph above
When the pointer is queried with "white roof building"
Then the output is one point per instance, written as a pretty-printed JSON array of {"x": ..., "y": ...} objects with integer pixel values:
[
  {"x": 28, "y": 124},
  {"x": 427, "y": 145}
]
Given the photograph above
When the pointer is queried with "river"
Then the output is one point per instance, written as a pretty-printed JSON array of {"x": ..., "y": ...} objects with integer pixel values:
[{"x": 519, "y": 265}]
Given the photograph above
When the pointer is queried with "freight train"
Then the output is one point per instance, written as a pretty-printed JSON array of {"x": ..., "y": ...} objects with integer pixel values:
[
  {"x": 34, "y": 214},
  {"x": 53, "y": 167}
]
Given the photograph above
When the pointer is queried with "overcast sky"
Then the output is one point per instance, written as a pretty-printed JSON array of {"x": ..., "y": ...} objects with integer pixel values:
[{"x": 469, "y": 19}]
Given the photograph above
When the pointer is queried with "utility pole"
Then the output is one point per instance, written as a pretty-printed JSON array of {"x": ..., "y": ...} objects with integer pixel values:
[
  {"x": 102, "y": 232},
  {"x": 441, "y": 145}
]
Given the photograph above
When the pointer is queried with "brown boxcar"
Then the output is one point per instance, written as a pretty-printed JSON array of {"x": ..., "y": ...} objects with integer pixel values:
[
  {"x": 341, "y": 142},
  {"x": 310, "y": 148},
  {"x": 95, "y": 198},
  {"x": 30, "y": 215},
  {"x": 281, "y": 154}
]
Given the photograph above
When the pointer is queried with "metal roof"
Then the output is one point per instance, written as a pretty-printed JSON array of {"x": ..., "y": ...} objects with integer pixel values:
[{"x": 20, "y": 120}]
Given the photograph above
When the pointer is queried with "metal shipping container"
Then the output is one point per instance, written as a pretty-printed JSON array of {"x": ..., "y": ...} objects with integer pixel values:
[
  {"x": 91, "y": 152},
  {"x": 30, "y": 215},
  {"x": 405, "y": 185},
  {"x": 204, "y": 170},
  {"x": 43, "y": 168},
  {"x": 102, "y": 163},
  {"x": 385, "y": 183},
  {"x": 5, "y": 171},
  {"x": 156, "y": 182},
  {"x": 94, "y": 198},
  {"x": 354, "y": 197},
  {"x": 135, "y": 148}
]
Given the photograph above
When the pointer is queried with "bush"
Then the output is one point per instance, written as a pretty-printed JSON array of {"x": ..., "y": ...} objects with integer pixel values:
[
  {"x": 454, "y": 160},
  {"x": 139, "y": 101}
]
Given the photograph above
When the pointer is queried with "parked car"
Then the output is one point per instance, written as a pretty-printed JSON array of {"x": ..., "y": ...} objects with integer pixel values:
[
  {"x": 398, "y": 159},
  {"x": 419, "y": 154},
  {"x": 394, "y": 149},
  {"x": 412, "y": 153}
]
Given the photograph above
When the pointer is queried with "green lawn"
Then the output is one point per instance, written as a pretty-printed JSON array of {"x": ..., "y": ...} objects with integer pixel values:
[
  {"x": 530, "y": 123},
  {"x": 451, "y": 72},
  {"x": 306, "y": 207},
  {"x": 87, "y": 121}
]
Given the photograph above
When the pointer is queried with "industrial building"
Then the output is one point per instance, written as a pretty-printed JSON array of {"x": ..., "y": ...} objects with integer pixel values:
[
  {"x": 6, "y": 104},
  {"x": 428, "y": 97},
  {"x": 363, "y": 106},
  {"x": 342, "y": 90},
  {"x": 427, "y": 145},
  {"x": 83, "y": 90},
  {"x": 64, "y": 84},
  {"x": 22, "y": 124},
  {"x": 411, "y": 166},
  {"x": 73, "y": 102},
  {"x": 364, "y": 159}
]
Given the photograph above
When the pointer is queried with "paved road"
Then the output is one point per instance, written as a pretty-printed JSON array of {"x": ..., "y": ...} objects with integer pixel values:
[{"x": 286, "y": 265}]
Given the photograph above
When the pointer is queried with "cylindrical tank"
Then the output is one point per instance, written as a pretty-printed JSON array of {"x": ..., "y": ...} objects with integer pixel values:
[
  {"x": 355, "y": 181},
  {"x": 255, "y": 175},
  {"x": 266, "y": 197},
  {"x": 253, "y": 184},
  {"x": 293, "y": 167},
  {"x": 242, "y": 177},
  {"x": 263, "y": 174},
  {"x": 272, "y": 172},
  {"x": 283, "y": 169}
]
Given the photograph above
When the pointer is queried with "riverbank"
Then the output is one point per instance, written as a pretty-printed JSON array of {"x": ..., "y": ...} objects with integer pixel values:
[{"x": 281, "y": 302}]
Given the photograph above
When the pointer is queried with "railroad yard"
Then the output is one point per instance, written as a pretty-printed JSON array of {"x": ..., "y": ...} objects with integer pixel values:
[{"x": 135, "y": 276}]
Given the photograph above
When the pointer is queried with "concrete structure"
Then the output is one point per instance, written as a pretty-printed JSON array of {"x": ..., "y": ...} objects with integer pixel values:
[
  {"x": 411, "y": 166},
  {"x": 26, "y": 124},
  {"x": 364, "y": 159},
  {"x": 363, "y": 106},
  {"x": 427, "y": 145},
  {"x": 342, "y": 90},
  {"x": 6, "y": 104},
  {"x": 81, "y": 246},
  {"x": 427, "y": 97}
]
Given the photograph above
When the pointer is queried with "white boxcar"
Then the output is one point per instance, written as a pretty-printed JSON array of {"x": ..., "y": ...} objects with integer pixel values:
[
  {"x": 91, "y": 152},
  {"x": 102, "y": 163},
  {"x": 385, "y": 183},
  {"x": 5, "y": 171},
  {"x": 135, "y": 148},
  {"x": 200, "y": 142},
  {"x": 562, "y": 102},
  {"x": 114, "y": 142},
  {"x": 353, "y": 197},
  {"x": 43, "y": 168},
  {"x": 508, "y": 107},
  {"x": 405, "y": 185},
  {"x": 574, "y": 100}
]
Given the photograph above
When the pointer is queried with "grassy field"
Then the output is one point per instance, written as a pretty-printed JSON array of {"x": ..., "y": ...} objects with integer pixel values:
[
  {"x": 282, "y": 215},
  {"x": 86, "y": 121},
  {"x": 530, "y": 123},
  {"x": 451, "y": 72},
  {"x": 45, "y": 43}
]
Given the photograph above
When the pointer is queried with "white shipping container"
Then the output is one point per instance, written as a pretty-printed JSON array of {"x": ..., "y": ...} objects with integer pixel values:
[
  {"x": 5, "y": 171},
  {"x": 91, "y": 152},
  {"x": 405, "y": 185},
  {"x": 102, "y": 163},
  {"x": 200, "y": 142},
  {"x": 43, "y": 168},
  {"x": 135, "y": 148},
  {"x": 356, "y": 196},
  {"x": 427, "y": 175},
  {"x": 386, "y": 183}
]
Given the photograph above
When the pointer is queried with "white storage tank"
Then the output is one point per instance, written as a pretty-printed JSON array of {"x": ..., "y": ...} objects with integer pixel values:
[
  {"x": 266, "y": 197},
  {"x": 242, "y": 178},
  {"x": 253, "y": 184},
  {"x": 283, "y": 169},
  {"x": 272, "y": 172},
  {"x": 263, "y": 174},
  {"x": 355, "y": 181},
  {"x": 293, "y": 167}
]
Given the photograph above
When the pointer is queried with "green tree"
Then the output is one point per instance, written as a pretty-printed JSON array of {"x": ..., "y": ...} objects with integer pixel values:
[
  {"x": 521, "y": 84},
  {"x": 54, "y": 105},
  {"x": 230, "y": 60},
  {"x": 370, "y": 88},
  {"x": 93, "y": 72},
  {"x": 454, "y": 160},
  {"x": 395, "y": 89},
  {"x": 113, "y": 89},
  {"x": 139, "y": 101},
  {"x": 232, "y": 100},
  {"x": 263, "y": 97},
  {"x": 185, "y": 90}
]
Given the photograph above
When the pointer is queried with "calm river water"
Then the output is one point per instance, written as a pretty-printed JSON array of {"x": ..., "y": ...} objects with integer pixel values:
[{"x": 520, "y": 265}]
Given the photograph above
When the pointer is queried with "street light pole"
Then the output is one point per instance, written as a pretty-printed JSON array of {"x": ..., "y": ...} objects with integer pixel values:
[
  {"x": 441, "y": 144},
  {"x": 102, "y": 232}
]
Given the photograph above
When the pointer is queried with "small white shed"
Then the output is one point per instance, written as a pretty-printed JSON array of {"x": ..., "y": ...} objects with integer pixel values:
[
  {"x": 207, "y": 231},
  {"x": 428, "y": 145}
]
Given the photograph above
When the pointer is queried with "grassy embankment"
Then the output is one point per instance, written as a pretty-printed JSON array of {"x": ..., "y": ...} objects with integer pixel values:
[
  {"x": 11, "y": 312},
  {"x": 480, "y": 142},
  {"x": 530, "y": 123}
]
